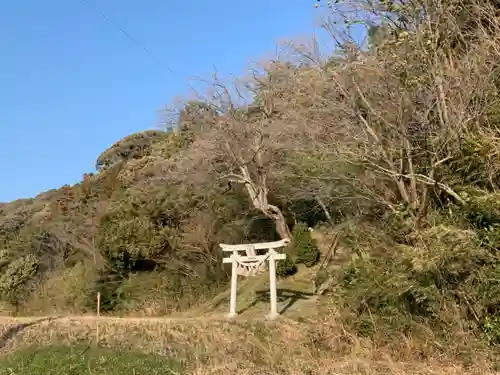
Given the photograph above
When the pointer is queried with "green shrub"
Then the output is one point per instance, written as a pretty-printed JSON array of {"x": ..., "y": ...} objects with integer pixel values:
[
  {"x": 399, "y": 224},
  {"x": 109, "y": 285},
  {"x": 286, "y": 267},
  {"x": 489, "y": 236},
  {"x": 18, "y": 273},
  {"x": 133, "y": 146},
  {"x": 438, "y": 280},
  {"x": 482, "y": 209},
  {"x": 491, "y": 329},
  {"x": 68, "y": 290},
  {"x": 477, "y": 164},
  {"x": 305, "y": 249}
]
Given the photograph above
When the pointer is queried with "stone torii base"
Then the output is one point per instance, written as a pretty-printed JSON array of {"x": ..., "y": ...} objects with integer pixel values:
[{"x": 254, "y": 262}]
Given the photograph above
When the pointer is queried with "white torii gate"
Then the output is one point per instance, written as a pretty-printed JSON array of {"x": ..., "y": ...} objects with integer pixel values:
[{"x": 250, "y": 264}]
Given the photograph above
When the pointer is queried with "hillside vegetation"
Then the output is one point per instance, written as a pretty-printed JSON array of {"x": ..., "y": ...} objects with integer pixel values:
[{"x": 393, "y": 146}]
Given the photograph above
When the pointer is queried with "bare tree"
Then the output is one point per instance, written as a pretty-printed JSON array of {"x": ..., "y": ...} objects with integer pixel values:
[
  {"x": 248, "y": 139},
  {"x": 239, "y": 146},
  {"x": 389, "y": 123}
]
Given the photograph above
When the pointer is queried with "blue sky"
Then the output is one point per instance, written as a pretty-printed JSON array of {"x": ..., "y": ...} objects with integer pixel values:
[{"x": 71, "y": 84}]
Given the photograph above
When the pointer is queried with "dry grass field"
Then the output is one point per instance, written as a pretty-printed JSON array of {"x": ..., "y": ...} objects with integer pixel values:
[{"x": 205, "y": 346}]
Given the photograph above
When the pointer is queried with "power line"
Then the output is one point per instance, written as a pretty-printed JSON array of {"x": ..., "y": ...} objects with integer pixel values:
[
  {"x": 138, "y": 44},
  {"x": 130, "y": 37}
]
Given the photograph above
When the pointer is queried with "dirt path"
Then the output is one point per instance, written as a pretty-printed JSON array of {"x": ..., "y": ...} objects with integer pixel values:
[
  {"x": 92, "y": 319},
  {"x": 108, "y": 319}
]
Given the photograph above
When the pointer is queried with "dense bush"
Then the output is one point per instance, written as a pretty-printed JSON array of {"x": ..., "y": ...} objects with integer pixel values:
[
  {"x": 15, "y": 277},
  {"x": 286, "y": 267},
  {"x": 304, "y": 246},
  {"x": 134, "y": 146}
]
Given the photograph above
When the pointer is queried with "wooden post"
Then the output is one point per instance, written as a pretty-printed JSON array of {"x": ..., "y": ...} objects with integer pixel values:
[
  {"x": 98, "y": 314},
  {"x": 234, "y": 285},
  {"x": 272, "y": 285}
]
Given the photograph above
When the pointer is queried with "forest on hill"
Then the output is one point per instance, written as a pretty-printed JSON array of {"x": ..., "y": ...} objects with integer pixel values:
[{"x": 395, "y": 145}]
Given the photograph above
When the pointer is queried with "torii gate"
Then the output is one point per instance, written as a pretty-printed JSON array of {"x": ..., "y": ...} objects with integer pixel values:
[{"x": 250, "y": 264}]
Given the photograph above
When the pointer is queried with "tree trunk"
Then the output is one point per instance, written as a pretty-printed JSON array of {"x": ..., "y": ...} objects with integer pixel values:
[
  {"x": 275, "y": 214},
  {"x": 258, "y": 197},
  {"x": 325, "y": 210}
]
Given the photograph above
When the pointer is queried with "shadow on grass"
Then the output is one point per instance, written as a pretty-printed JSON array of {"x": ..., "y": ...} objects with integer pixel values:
[
  {"x": 15, "y": 329},
  {"x": 287, "y": 297}
]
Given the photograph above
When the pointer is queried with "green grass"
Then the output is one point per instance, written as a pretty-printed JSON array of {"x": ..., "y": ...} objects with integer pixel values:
[{"x": 81, "y": 360}]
